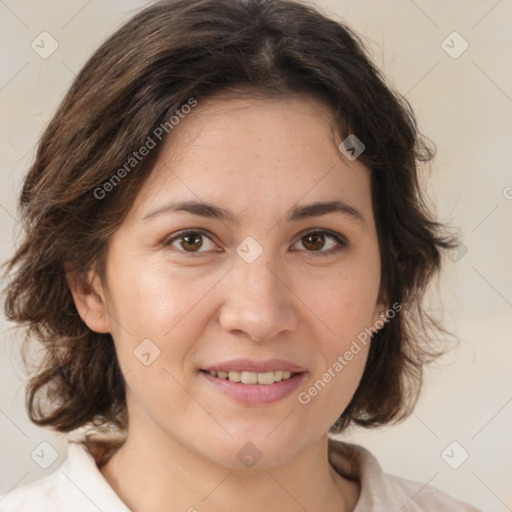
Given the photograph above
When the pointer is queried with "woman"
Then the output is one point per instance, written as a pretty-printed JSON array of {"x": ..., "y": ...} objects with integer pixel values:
[{"x": 225, "y": 255}]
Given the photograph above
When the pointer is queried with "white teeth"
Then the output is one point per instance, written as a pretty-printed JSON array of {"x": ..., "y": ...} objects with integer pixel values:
[
  {"x": 266, "y": 378},
  {"x": 252, "y": 377},
  {"x": 249, "y": 378},
  {"x": 234, "y": 376}
]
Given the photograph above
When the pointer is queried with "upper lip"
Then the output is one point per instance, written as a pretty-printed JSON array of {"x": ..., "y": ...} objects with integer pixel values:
[{"x": 240, "y": 365}]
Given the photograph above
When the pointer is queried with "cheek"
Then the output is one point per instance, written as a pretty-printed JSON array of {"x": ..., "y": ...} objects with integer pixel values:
[
  {"x": 158, "y": 316},
  {"x": 329, "y": 390},
  {"x": 346, "y": 305},
  {"x": 345, "y": 301},
  {"x": 151, "y": 299},
  {"x": 166, "y": 308}
]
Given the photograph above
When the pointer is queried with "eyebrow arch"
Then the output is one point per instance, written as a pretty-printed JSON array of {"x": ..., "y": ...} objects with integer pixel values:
[{"x": 297, "y": 213}]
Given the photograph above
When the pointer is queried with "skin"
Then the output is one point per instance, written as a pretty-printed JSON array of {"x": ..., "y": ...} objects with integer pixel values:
[{"x": 258, "y": 158}]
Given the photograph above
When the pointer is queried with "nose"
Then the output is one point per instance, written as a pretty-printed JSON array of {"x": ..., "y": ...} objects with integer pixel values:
[{"x": 258, "y": 302}]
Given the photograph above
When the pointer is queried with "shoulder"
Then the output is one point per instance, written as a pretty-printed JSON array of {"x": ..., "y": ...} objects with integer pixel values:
[
  {"x": 76, "y": 486},
  {"x": 38, "y": 496},
  {"x": 382, "y": 491},
  {"x": 416, "y": 497}
]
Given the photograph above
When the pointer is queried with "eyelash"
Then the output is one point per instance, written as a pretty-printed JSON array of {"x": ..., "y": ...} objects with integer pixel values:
[{"x": 342, "y": 243}]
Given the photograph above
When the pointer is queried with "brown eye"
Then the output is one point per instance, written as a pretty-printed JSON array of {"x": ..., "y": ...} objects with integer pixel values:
[
  {"x": 314, "y": 241},
  {"x": 322, "y": 243},
  {"x": 190, "y": 242}
]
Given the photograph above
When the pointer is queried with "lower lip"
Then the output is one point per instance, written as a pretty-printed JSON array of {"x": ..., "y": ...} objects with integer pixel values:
[{"x": 255, "y": 394}]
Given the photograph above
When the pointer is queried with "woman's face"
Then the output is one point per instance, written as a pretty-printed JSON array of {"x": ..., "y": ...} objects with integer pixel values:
[{"x": 259, "y": 277}]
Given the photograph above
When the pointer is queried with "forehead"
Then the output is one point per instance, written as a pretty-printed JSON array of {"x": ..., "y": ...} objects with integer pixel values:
[{"x": 252, "y": 152}]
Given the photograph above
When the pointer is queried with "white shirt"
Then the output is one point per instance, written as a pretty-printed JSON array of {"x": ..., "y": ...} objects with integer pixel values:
[{"x": 79, "y": 486}]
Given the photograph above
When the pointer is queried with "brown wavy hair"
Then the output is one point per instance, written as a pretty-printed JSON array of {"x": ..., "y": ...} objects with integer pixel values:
[{"x": 165, "y": 55}]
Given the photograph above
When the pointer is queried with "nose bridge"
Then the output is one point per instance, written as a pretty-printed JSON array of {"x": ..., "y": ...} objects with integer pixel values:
[
  {"x": 257, "y": 300},
  {"x": 253, "y": 264},
  {"x": 262, "y": 284},
  {"x": 256, "y": 282}
]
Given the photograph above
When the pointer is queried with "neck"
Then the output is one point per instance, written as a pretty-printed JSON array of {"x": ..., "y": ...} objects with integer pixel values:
[{"x": 149, "y": 475}]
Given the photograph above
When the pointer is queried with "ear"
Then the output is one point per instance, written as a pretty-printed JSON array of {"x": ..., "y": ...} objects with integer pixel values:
[{"x": 89, "y": 298}]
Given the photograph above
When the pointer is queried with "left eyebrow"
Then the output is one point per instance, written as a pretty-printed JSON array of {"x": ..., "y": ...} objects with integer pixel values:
[
  {"x": 323, "y": 208},
  {"x": 297, "y": 213}
]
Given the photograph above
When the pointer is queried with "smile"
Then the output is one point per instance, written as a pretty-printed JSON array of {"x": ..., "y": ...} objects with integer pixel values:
[
  {"x": 253, "y": 377},
  {"x": 253, "y": 388}
]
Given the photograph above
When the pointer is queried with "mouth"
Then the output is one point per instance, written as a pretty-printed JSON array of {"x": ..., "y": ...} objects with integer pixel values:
[
  {"x": 253, "y": 388},
  {"x": 251, "y": 378}
]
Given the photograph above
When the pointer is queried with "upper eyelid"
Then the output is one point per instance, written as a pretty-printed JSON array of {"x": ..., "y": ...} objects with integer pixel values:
[
  {"x": 325, "y": 231},
  {"x": 183, "y": 232}
]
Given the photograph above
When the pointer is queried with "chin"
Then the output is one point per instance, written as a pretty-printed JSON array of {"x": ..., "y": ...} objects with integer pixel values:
[{"x": 255, "y": 452}]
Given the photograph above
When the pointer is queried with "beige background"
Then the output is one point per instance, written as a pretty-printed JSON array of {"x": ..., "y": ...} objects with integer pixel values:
[{"x": 464, "y": 104}]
